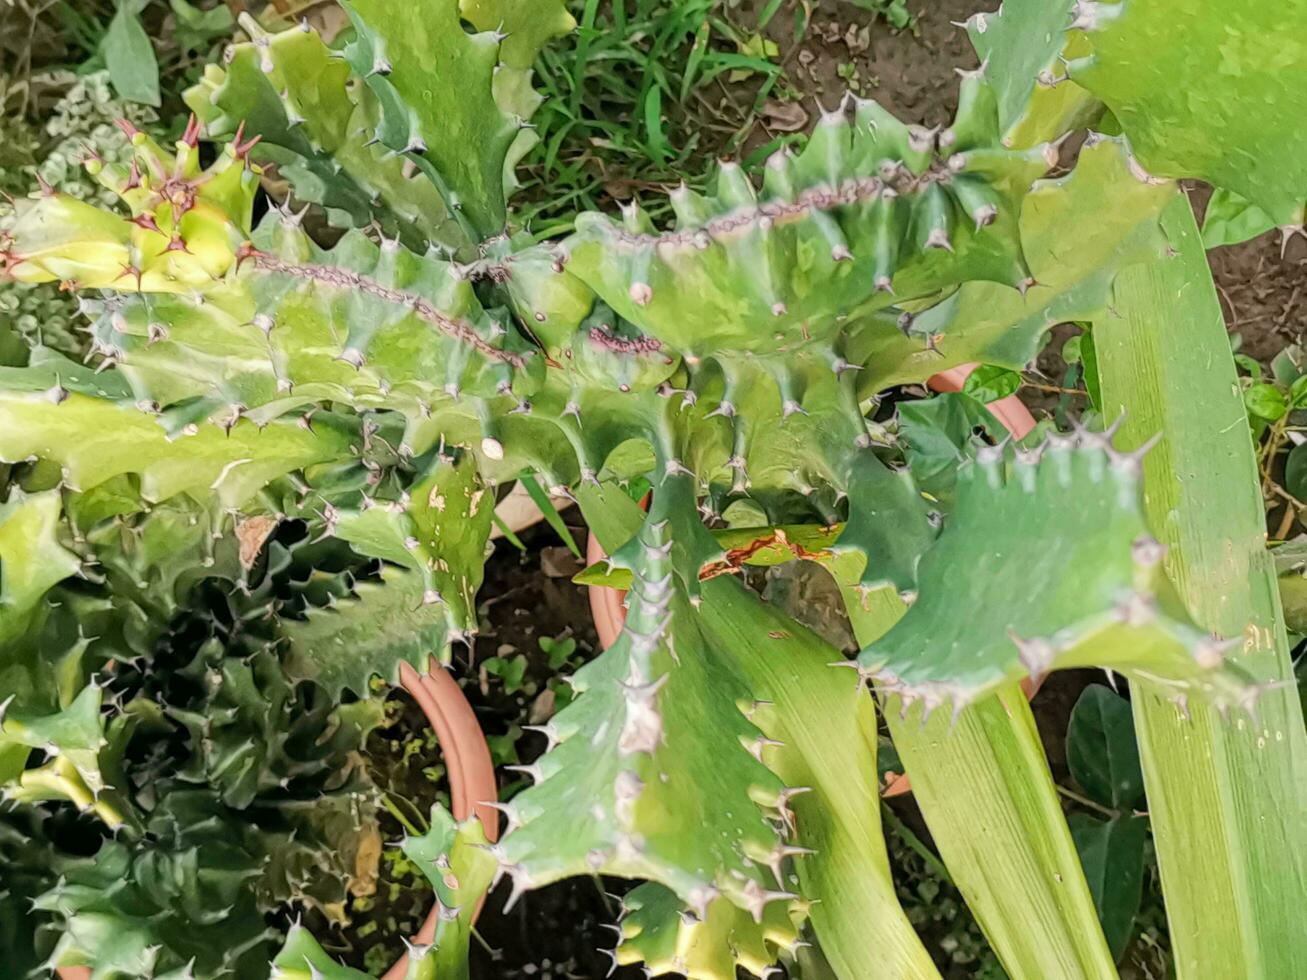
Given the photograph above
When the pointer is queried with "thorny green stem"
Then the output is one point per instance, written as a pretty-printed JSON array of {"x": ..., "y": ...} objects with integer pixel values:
[{"x": 63, "y": 780}]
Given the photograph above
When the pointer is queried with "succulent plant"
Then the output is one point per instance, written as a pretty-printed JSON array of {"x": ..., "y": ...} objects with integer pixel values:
[{"x": 378, "y": 392}]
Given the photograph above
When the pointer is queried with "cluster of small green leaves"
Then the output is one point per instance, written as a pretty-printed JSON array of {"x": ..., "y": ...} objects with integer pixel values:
[{"x": 203, "y": 756}]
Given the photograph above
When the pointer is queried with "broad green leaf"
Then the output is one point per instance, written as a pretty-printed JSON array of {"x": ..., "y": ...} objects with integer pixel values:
[
  {"x": 1266, "y": 401},
  {"x": 1101, "y": 750},
  {"x": 1230, "y": 220},
  {"x": 984, "y": 787},
  {"x": 1112, "y": 852},
  {"x": 990, "y": 382},
  {"x": 1297, "y": 387},
  {"x": 1248, "y": 365},
  {"x": 32, "y": 556},
  {"x": 129, "y": 56},
  {"x": 1295, "y": 472},
  {"x": 826, "y": 723},
  {"x": 1207, "y": 89},
  {"x": 1287, "y": 367},
  {"x": 555, "y": 520},
  {"x": 1227, "y": 796}
]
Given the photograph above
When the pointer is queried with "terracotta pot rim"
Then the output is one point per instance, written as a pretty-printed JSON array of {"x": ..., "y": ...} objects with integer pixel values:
[
  {"x": 606, "y": 604},
  {"x": 472, "y": 782},
  {"x": 472, "y": 785}
]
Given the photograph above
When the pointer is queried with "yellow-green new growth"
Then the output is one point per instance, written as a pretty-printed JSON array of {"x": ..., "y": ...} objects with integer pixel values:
[{"x": 184, "y": 229}]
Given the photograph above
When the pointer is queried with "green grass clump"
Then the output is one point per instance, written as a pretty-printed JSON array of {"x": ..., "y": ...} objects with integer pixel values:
[{"x": 643, "y": 95}]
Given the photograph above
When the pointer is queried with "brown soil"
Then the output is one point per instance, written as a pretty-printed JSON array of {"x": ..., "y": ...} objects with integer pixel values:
[{"x": 910, "y": 72}]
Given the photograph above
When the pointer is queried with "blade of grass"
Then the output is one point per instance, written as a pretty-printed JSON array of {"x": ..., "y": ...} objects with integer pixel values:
[
  {"x": 508, "y": 534},
  {"x": 690, "y": 78},
  {"x": 1228, "y": 797},
  {"x": 552, "y": 517},
  {"x": 585, "y": 34},
  {"x": 768, "y": 12},
  {"x": 655, "y": 141}
]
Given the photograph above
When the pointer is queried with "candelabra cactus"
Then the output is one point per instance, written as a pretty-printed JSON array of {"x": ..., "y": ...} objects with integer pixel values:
[{"x": 379, "y": 390}]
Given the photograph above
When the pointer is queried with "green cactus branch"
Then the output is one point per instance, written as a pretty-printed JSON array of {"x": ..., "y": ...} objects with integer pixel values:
[
  {"x": 290, "y": 89},
  {"x": 872, "y": 211},
  {"x": 1205, "y": 89},
  {"x": 1116, "y": 216},
  {"x": 1024, "y": 45},
  {"x": 456, "y": 862},
  {"x": 657, "y": 932},
  {"x": 184, "y": 228},
  {"x": 1071, "y": 578},
  {"x": 248, "y": 386},
  {"x": 434, "y": 86}
]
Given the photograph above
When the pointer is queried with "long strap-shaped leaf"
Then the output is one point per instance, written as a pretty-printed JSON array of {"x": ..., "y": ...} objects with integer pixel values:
[
  {"x": 1228, "y": 797},
  {"x": 985, "y": 789}
]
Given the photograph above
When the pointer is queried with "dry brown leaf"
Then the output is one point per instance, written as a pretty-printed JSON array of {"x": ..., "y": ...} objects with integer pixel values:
[
  {"x": 252, "y": 533},
  {"x": 784, "y": 117},
  {"x": 367, "y": 862}
]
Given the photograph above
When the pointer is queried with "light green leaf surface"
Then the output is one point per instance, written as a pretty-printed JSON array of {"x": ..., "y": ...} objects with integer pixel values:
[
  {"x": 1207, "y": 89},
  {"x": 1227, "y": 795}
]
